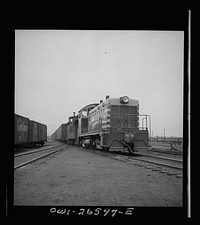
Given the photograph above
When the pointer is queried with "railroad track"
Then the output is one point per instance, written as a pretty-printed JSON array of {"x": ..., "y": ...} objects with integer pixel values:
[
  {"x": 25, "y": 158},
  {"x": 166, "y": 151},
  {"x": 170, "y": 166},
  {"x": 160, "y": 160},
  {"x": 37, "y": 150}
]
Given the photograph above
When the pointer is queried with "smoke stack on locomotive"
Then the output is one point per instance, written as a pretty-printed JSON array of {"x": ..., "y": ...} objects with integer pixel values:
[{"x": 109, "y": 124}]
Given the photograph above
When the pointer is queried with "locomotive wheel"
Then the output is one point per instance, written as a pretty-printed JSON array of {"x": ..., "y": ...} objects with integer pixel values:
[
  {"x": 82, "y": 143},
  {"x": 97, "y": 144},
  {"x": 106, "y": 149}
]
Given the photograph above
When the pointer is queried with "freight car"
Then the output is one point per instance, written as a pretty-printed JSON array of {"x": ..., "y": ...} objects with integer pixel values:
[
  {"x": 28, "y": 133},
  {"x": 110, "y": 124},
  {"x": 67, "y": 132},
  {"x": 20, "y": 131}
]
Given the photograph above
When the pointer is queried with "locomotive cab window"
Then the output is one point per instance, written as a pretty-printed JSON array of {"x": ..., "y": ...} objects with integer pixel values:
[{"x": 84, "y": 113}]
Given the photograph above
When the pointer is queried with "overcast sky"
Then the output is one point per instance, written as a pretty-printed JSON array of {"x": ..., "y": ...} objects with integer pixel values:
[{"x": 57, "y": 72}]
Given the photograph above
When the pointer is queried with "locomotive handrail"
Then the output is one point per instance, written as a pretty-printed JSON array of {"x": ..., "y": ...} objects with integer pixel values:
[{"x": 146, "y": 123}]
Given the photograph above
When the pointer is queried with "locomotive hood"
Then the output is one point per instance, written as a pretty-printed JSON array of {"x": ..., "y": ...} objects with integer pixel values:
[{"x": 116, "y": 101}]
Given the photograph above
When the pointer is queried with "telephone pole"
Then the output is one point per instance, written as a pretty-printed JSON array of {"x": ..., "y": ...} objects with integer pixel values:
[{"x": 164, "y": 134}]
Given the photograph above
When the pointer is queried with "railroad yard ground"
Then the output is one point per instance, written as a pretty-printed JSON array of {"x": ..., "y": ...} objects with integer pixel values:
[
  {"x": 166, "y": 145},
  {"x": 80, "y": 177}
]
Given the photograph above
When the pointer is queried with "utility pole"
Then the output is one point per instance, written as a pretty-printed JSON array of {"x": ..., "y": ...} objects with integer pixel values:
[{"x": 164, "y": 134}]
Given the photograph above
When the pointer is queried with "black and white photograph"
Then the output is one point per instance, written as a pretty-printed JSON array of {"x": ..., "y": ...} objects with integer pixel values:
[{"x": 98, "y": 120}]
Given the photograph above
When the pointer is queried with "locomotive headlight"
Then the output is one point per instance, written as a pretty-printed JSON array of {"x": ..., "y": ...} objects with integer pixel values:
[{"x": 124, "y": 99}]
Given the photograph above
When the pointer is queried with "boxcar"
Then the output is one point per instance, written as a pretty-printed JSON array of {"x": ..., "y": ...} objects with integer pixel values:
[
  {"x": 59, "y": 133},
  {"x": 21, "y": 131},
  {"x": 64, "y": 132},
  {"x": 67, "y": 132},
  {"x": 42, "y": 133},
  {"x": 33, "y": 136},
  {"x": 28, "y": 133},
  {"x": 72, "y": 133}
]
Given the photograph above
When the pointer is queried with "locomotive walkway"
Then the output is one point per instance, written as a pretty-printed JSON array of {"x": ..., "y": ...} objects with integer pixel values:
[{"x": 77, "y": 177}]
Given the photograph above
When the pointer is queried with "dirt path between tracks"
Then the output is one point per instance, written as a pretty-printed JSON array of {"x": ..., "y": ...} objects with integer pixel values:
[{"x": 79, "y": 177}]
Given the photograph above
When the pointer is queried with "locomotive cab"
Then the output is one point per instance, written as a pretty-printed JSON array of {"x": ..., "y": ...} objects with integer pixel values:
[{"x": 83, "y": 121}]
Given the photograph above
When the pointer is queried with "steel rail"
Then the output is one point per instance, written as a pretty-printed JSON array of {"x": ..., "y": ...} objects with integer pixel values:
[
  {"x": 160, "y": 157},
  {"x": 34, "y": 151},
  {"x": 136, "y": 159},
  {"x": 37, "y": 158},
  {"x": 167, "y": 151},
  {"x": 158, "y": 163}
]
